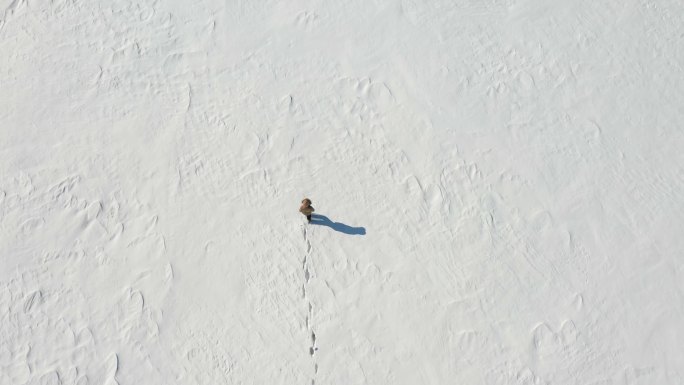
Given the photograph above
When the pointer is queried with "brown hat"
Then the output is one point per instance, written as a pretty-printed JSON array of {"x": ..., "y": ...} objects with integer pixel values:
[{"x": 307, "y": 201}]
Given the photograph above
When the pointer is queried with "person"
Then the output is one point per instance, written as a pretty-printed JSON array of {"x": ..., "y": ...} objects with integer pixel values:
[{"x": 306, "y": 209}]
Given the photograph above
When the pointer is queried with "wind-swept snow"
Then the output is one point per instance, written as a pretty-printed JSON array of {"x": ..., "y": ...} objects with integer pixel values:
[{"x": 500, "y": 188}]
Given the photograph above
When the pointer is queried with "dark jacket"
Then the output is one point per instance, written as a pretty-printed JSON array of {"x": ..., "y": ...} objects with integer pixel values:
[
  {"x": 306, "y": 210},
  {"x": 306, "y": 207}
]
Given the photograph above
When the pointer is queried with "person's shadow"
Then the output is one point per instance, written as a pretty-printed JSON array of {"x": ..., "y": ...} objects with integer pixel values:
[{"x": 322, "y": 220}]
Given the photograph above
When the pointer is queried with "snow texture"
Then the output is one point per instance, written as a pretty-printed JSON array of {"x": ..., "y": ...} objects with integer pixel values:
[{"x": 499, "y": 183}]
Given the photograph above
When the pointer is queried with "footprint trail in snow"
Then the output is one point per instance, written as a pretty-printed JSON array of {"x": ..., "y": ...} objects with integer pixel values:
[{"x": 306, "y": 263}]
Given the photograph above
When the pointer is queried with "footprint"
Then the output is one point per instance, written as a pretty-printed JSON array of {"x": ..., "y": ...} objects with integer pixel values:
[
  {"x": 543, "y": 337},
  {"x": 135, "y": 303},
  {"x": 151, "y": 224},
  {"x": 33, "y": 299},
  {"x": 84, "y": 337},
  {"x": 547, "y": 342},
  {"x": 413, "y": 187},
  {"x": 434, "y": 197},
  {"x": 306, "y": 19},
  {"x": 63, "y": 187},
  {"x": 541, "y": 221},
  {"x": 168, "y": 273},
  {"x": 19, "y": 373},
  {"x": 526, "y": 81},
  {"x": 130, "y": 310},
  {"x": 470, "y": 343},
  {"x": 112, "y": 366},
  {"x": 579, "y": 302},
  {"x": 568, "y": 332},
  {"x": 381, "y": 96},
  {"x": 51, "y": 378},
  {"x": 93, "y": 211},
  {"x": 31, "y": 225}
]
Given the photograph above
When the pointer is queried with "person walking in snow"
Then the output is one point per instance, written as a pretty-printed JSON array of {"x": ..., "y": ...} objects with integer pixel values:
[{"x": 306, "y": 209}]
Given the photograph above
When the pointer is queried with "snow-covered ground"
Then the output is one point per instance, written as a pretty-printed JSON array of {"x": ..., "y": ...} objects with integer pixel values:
[{"x": 503, "y": 182}]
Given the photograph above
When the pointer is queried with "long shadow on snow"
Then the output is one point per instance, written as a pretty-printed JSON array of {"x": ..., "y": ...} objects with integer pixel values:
[{"x": 322, "y": 220}]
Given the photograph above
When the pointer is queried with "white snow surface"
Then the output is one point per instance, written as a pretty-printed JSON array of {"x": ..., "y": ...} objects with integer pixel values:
[{"x": 504, "y": 182}]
